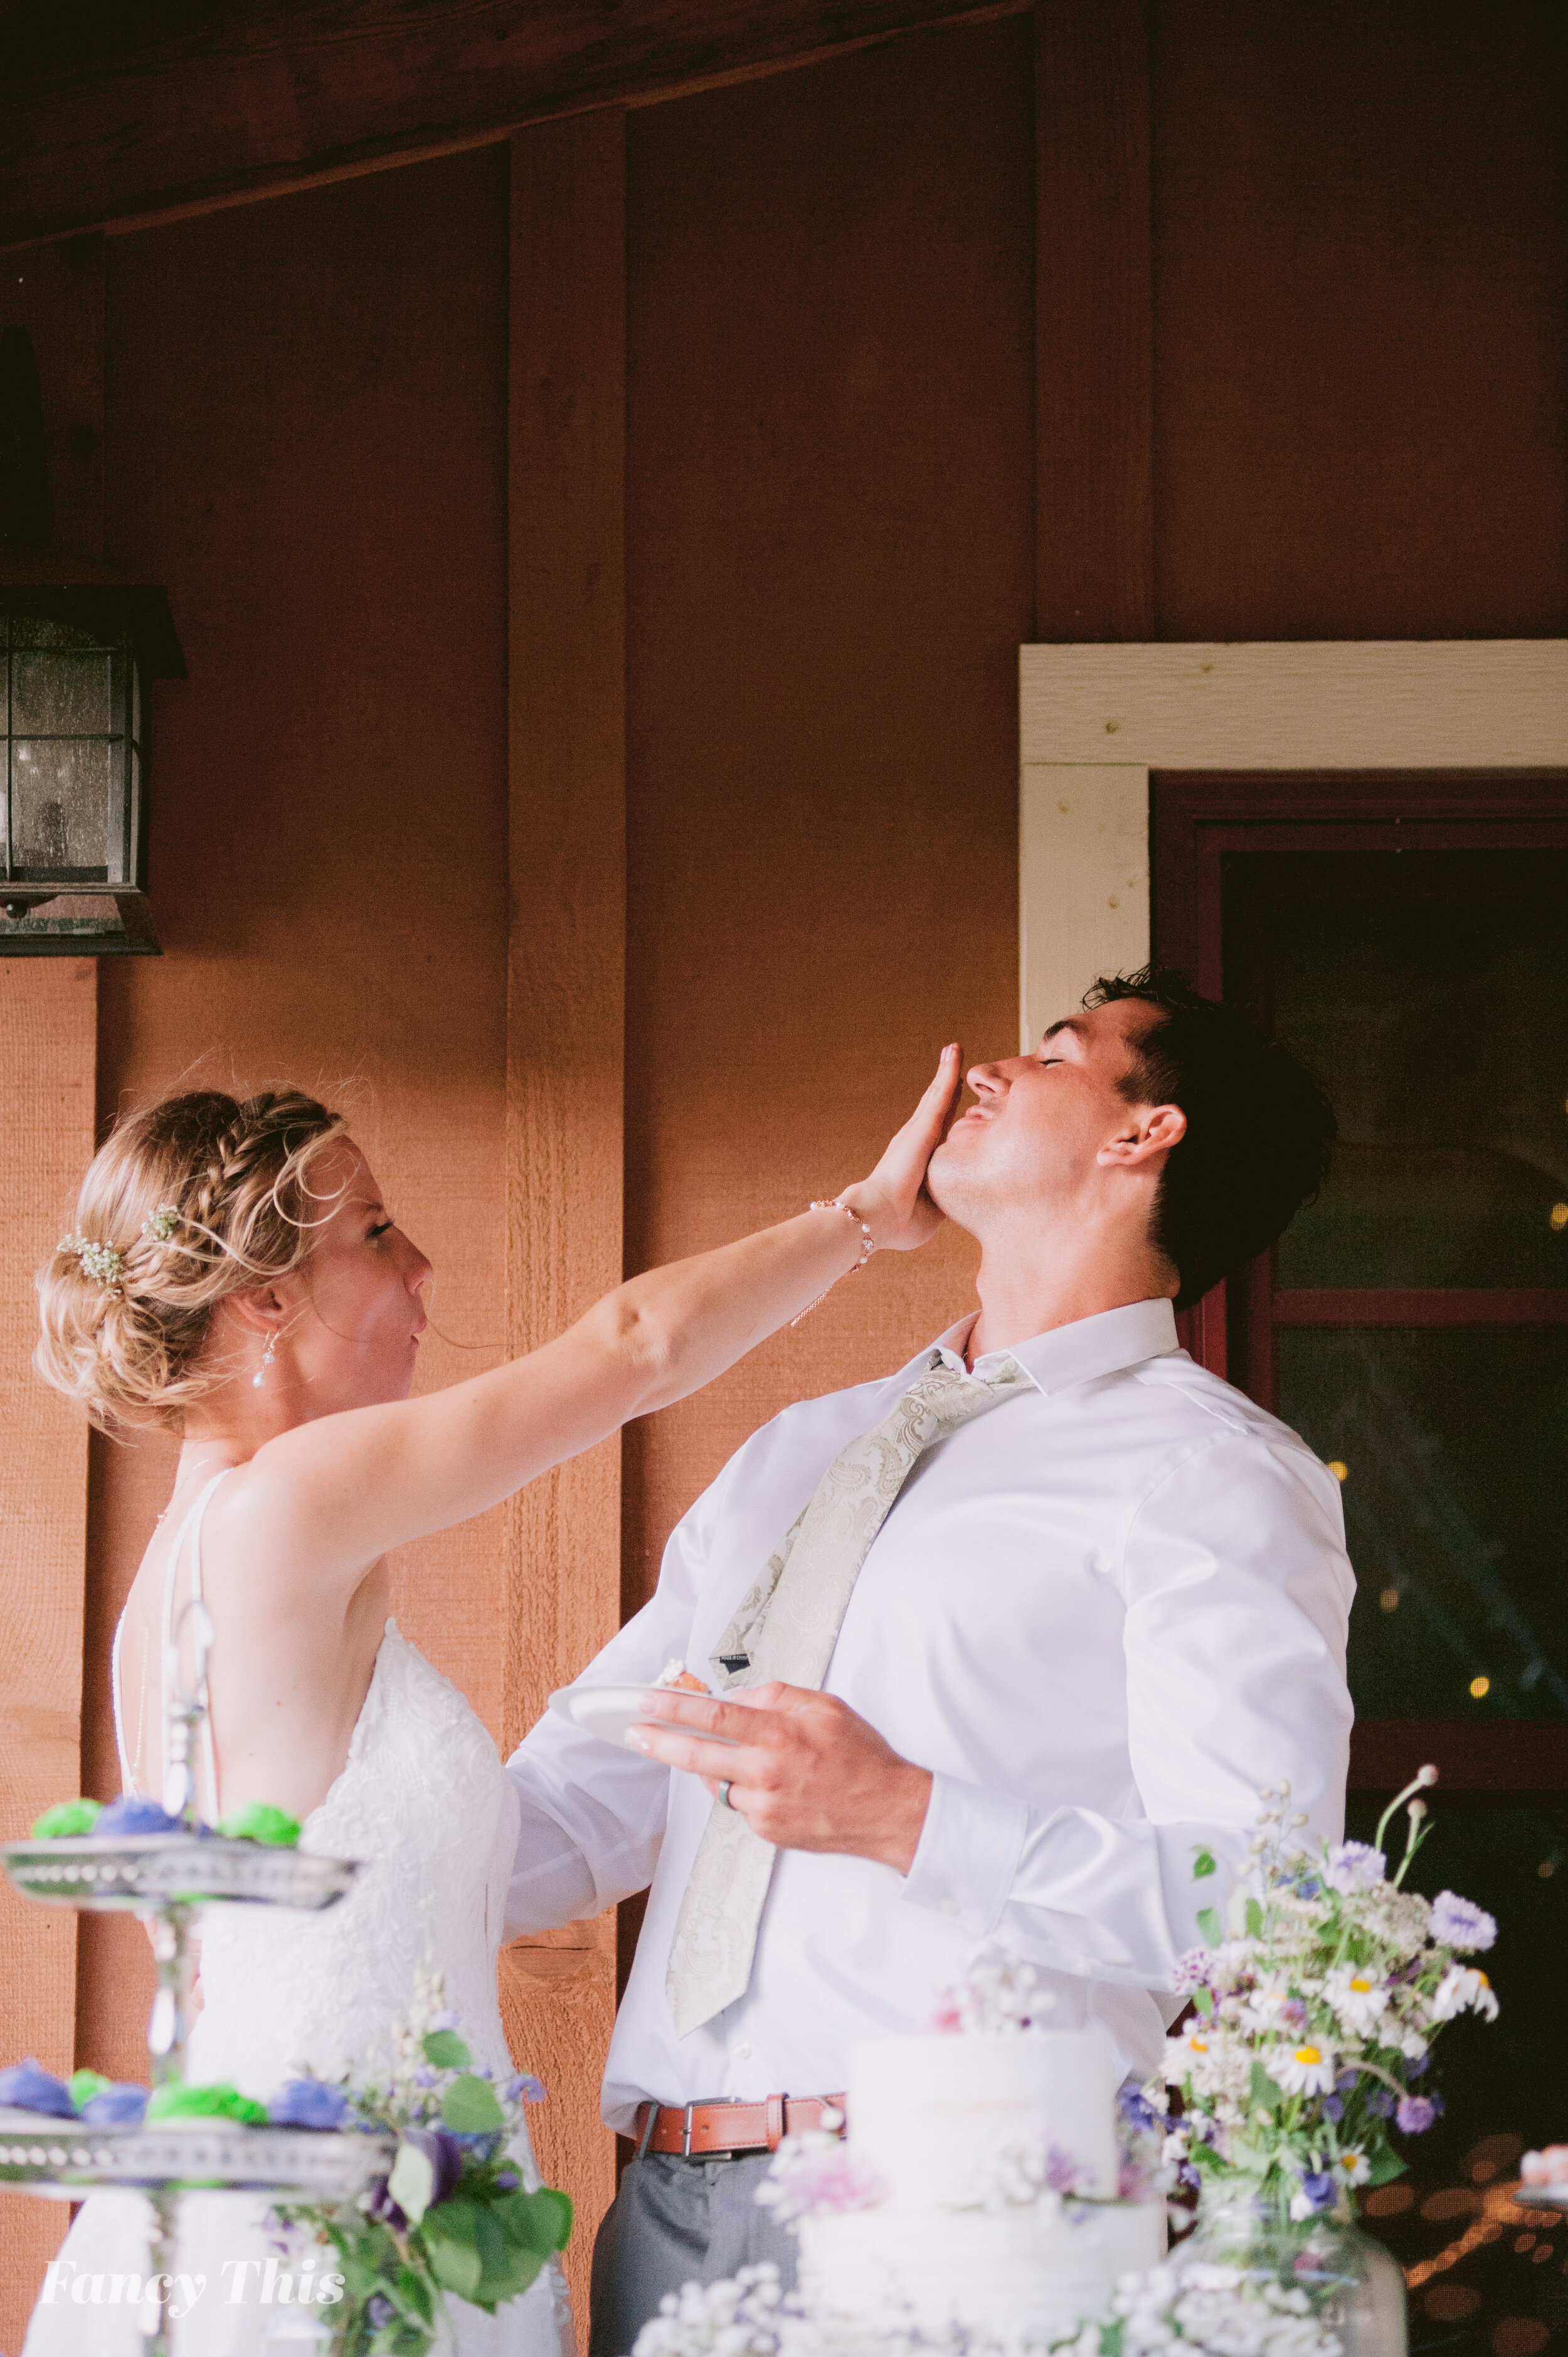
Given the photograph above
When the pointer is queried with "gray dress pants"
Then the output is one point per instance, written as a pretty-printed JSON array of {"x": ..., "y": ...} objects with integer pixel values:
[{"x": 677, "y": 2222}]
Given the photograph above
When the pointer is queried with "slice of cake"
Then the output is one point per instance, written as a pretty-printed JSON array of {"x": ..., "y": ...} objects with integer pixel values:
[{"x": 982, "y": 2185}]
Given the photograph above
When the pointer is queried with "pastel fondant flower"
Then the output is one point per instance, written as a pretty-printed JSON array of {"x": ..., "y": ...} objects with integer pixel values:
[
  {"x": 307, "y": 2103},
  {"x": 131, "y": 1816},
  {"x": 121, "y": 2105}
]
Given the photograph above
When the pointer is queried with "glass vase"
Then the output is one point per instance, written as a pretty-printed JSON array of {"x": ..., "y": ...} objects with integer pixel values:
[{"x": 1355, "y": 2288}]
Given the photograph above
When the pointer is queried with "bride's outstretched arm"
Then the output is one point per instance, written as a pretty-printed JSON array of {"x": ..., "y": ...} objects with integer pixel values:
[{"x": 340, "y": 1491}]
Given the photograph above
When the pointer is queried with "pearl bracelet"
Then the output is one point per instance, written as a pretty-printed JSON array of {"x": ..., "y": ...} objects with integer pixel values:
[{"x": 868, "y": 1246}]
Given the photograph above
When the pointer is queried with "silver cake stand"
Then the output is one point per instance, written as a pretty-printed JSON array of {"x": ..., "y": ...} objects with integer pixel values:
[{"x": 166, "y": 1878}]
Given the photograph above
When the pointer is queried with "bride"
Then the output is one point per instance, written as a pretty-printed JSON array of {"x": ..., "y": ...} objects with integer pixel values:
[{"x": 235, "y": 1276}]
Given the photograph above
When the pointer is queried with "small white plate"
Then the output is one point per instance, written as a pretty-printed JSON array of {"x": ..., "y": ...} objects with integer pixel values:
[{"x": 608, "y": 1711}]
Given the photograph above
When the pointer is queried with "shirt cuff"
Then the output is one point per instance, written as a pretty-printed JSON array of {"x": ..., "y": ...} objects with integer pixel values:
[{"x": 967, "y": 1858}]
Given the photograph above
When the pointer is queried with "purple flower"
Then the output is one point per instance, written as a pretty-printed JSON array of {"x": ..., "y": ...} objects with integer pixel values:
[
  {"x": 1381, "y": 2101},
  {"x": 1334, "y": 2108},
  {"x": 423, "y": 2078},
  {"x": 1308, "y": 1886},
  {"x": 1192, "y": 1971},
  {"x": 1137, "y": 2112},
  {"x": 444, "y": 2151},
  {"x": 525, "y": 2085},
  {"x": 1417, "y": 2064},
  {"x": 378, "y": 2311},
  {"x": 31, "y": 2088},
  {"x": 447, "y": 2019},
  {"x": 1354, "y": 1865},
  {"x": 307, "y": 2103},
  {"x": 506, "y": 2181},
  {"x": 123, "y": 2105},
  {"x": 1415, "y": 2114},
  {"x": 1061, "y": 2174},
  {"x": 382, "y": 2205},
  {"x": 1318, "y": 2187},
  {"x": 1458, "y": 1925},
  {"x": 1346, "y": 2082}
]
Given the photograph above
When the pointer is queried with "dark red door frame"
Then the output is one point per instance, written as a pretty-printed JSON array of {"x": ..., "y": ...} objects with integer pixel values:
[{"x": 1197, "y": 819}]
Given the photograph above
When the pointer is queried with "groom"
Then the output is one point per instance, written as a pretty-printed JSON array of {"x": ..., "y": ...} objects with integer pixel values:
[{"x": 1004, "y": 1638}]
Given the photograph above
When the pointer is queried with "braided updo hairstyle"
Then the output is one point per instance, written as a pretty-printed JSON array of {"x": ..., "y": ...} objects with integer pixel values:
[{"x": 197, "y": 1198}]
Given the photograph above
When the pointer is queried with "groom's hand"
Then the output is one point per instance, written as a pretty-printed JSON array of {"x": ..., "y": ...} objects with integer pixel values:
[{"x": 805, "y": 1771}]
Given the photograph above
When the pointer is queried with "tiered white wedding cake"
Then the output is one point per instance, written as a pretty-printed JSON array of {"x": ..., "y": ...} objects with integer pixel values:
[{"x": 993, "y": 2200}]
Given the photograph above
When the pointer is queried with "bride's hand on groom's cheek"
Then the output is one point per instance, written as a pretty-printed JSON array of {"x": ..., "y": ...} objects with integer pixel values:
[{"x": 805, "y": 1771}]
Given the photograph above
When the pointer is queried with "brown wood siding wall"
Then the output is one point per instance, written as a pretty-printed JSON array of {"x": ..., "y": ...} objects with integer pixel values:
[{"x": 833, "y": 446}]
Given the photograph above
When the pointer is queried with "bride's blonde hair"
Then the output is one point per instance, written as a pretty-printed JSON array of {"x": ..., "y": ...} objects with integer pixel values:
[{"x": 197, "y": 1198}]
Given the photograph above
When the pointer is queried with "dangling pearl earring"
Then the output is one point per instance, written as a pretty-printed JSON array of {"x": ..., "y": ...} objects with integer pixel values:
[{"x": 259, "y": 1380}]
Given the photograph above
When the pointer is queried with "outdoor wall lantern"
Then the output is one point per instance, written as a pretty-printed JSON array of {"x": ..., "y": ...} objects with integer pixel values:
[{"x": 77, "y": 648}]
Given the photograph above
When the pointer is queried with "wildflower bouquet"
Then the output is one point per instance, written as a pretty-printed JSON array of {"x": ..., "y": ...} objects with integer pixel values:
[
  {"x": 1171, "y": 2311},
  {"x": 452, "y": 2216},
  {"x": 1317, "y": 2001}
]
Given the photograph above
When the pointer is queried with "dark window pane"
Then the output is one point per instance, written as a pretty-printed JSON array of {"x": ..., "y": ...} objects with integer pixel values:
[
  {"x": 1453, "y": 1443},
  {"x": 1427, "y": 990},
  {"x": 61, "y": 806}
]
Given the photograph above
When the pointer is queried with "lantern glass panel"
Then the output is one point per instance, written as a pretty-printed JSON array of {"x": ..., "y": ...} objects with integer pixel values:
[
  {"x": 70, "y": 748},
  {"x": 62, "y": 791}
]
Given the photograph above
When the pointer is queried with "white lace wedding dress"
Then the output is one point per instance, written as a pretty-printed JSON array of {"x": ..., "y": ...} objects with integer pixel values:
[{"x": 422, "y": 1800}]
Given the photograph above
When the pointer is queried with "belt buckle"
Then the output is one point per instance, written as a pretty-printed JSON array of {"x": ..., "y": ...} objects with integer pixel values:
[{"x": 686, "y": 2132}]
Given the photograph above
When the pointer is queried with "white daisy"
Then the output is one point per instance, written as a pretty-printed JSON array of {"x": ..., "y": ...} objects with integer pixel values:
[
  {"x": 1352, "y": 2167},
  {"x": 1305, "y": 2070},
  {"x": 1357, "y": 1999},
  {"x": 1463, "y": 1988}
]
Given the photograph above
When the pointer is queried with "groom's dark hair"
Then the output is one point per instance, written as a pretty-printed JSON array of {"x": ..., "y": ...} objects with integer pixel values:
[{"x": 1259, "y": 1130}]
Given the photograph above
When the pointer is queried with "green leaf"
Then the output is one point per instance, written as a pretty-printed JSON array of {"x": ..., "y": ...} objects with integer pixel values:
[
  {"x": 1265, "y": 2094},
  {"x": 445, "y": 2050},
  {"x": 450, "y": 2235},
  {"x": 1204, "y": 2000},
  {"x": 415, "y": 2294},
  {"x": 1385, "y": 2166},
  {"x": 1254, "y": 1919},
  {"x": 470, "y": 2107},
  {"x": 1208, "y": 1924},
  {"x": 538, "y": 2221},
  {"x": 1203, "y": 1865}
]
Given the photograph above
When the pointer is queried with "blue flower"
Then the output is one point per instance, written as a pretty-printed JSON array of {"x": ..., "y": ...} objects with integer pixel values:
[
  {"x": 1318, "y": 2187},
  {"x": 508, "y": 2180},
  {"x": 1381, "y": 2101},
  {"x": 307, "y": 2103},
  {"x": 378, "y": 2311},
  {"x": 1420, "y": 2063},
  {"x": 423, "y": 2078},
  {"x": 1415, "y": 2114},
  {"x": 131, "y": 1817},
  {"x": 1334, "y": 2108},
  {"x": 123, "y": 2105},
  {"x": 525, "y": 2085},
  {"x": 1458, "y": 1925},
  {"x": 31, "y": 2088}
]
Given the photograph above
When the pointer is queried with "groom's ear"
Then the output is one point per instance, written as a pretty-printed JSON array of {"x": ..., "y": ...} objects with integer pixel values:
[{"x": 1147, "y": 1131}]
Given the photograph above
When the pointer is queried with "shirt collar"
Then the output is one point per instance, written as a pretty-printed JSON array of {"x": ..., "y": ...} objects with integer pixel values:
[{"x": 1077, "y": 1353}]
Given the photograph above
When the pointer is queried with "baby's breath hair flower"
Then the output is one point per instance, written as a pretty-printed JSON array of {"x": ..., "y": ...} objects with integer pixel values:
[
  {"x": 105, "y": 1263},
  {"x": 163, "y": 1223}
]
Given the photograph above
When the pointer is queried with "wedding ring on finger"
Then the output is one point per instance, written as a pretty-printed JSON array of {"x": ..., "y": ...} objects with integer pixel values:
[{"x": 724, "y": 1801}]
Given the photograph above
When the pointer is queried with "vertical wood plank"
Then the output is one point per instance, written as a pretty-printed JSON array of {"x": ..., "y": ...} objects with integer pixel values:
[
  {"x": 566, "y": 1010},
  {"x": 1094, "y": 322},
  {"x": 48, "y": 1030}
]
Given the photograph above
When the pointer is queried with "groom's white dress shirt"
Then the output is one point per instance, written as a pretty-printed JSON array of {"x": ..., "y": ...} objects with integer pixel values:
[{"x": 1104, "y": 1614}]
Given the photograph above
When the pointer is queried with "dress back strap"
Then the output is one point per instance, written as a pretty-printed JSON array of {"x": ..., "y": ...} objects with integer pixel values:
[{"x": 188, "y": 1533}]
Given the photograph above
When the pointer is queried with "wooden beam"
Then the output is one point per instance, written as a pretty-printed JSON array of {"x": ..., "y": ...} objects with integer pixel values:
[
  {"x": 1094, "y": 323},
  {"x": 566, "y": 1000},
  {"x": 49, "y": 1032},
  {"x": 140, "y": 121}
]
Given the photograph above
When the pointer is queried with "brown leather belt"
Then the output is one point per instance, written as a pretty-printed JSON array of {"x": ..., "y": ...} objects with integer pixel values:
[{"x": 701, "y": 2130}]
